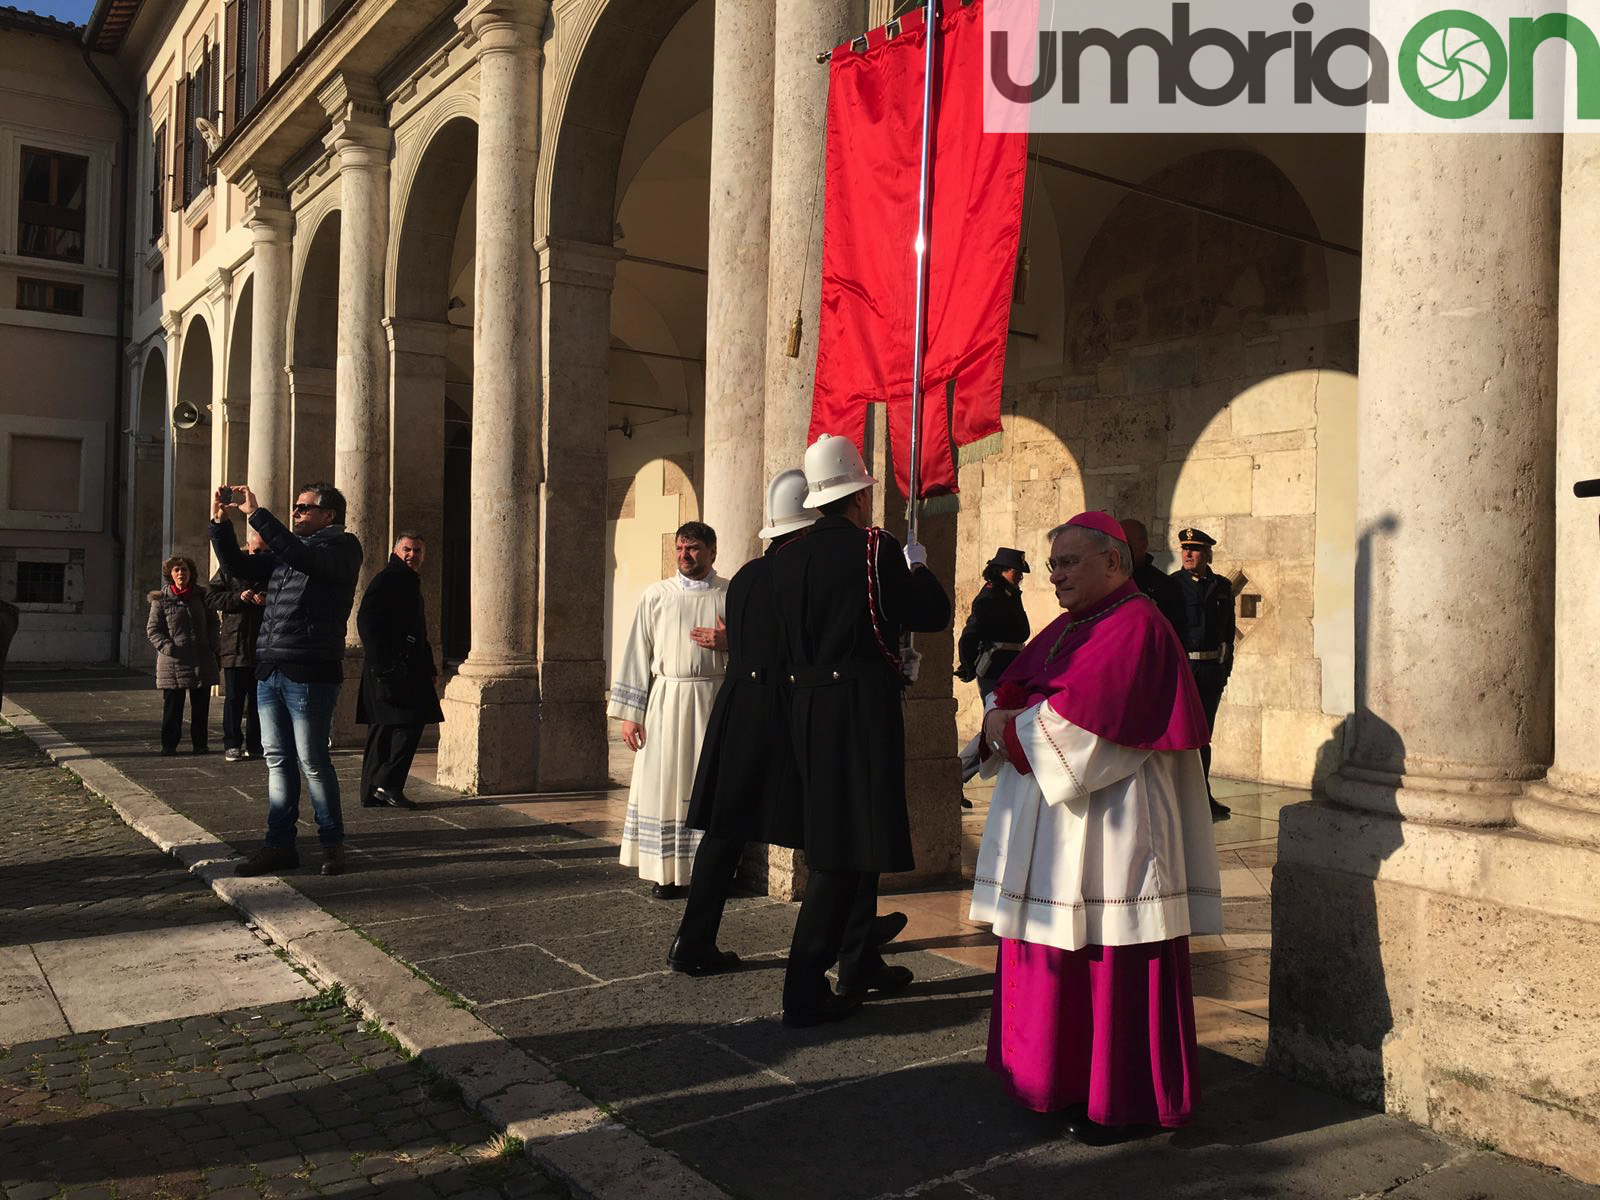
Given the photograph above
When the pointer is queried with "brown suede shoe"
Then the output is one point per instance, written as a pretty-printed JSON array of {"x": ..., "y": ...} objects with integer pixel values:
[
  {"x": 333, "y": 860},
  {"x": 269, "y": 860}
]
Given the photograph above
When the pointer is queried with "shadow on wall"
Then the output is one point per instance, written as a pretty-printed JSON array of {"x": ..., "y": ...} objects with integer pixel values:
[{"x": 1334, "y": 1008}]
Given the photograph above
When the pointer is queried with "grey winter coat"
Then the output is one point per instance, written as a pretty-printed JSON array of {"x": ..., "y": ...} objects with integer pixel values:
[{"x": 184, "y": 633}]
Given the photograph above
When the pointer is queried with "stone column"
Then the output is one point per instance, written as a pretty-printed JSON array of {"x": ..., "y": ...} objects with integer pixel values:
[
  {"x": 1455, "y": 434},
  {"x": 416, "y": 454},
  {"x": 492, "y": 703},
  {"x": 1398, "y": 902},
  {"x": 360, "y": 141},
  {"x": 577, "y": 278},
  {"x": 271, "y": 235},
  {"x": 1566, "y": 804},
  {"x": 799, "y": 112},
  {"x": 736, "y": 287}
]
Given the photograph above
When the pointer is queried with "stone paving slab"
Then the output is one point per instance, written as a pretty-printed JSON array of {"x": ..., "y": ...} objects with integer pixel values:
[{"x": 706, "y": 1093}]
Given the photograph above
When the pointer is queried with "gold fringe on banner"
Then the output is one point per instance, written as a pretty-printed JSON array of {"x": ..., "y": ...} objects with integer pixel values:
[
  {"x": 981, "y": 449},
  {"x": 938, "y": 506}
]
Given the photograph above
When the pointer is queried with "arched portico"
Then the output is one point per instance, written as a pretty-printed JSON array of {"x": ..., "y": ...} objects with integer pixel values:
[
  {"x": 192, "y": 446},
  {"x": 313, "y": 350}
]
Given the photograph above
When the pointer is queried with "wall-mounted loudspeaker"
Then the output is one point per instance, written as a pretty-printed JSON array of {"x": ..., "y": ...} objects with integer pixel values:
[{"x": 186, "y": 415}]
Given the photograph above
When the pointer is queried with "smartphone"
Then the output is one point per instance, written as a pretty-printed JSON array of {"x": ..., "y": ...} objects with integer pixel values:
[{"x": 229, "y": 496}]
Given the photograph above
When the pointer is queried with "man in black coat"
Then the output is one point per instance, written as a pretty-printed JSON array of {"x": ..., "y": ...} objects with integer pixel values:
[
  {"x": 1151, "y": 579},
  {"x": 398, "y": 697},
  {"x": 310, "y": 576},
  {"x": 1207, "y": 633},
  {"x": 845, "y": 592},
  {"x": 240, "y": 605}
]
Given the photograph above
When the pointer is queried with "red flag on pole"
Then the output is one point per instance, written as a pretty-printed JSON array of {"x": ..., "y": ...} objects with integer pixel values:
[{"x": 866, "y": 334}]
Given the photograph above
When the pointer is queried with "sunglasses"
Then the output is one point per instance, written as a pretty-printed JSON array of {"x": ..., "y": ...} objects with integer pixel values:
[{"x": 300, "y": 509}]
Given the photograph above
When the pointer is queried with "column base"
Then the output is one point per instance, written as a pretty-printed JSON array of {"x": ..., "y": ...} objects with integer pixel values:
[
  {"x": 1441, "y": 797},
  {"x": 573, "y": 754},
  {"x": 347, "y": 735},
  {"x": 778, "y": 869},
  {"x": 489, "y": 742},
  {"x": 1560, "y": 808},
  {"x": 1442, "y": 974}
]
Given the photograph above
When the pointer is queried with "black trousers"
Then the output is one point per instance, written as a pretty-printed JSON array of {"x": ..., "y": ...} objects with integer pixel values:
[
  {"x": 716, "y": 863},
  {"x": 241, "y": 723},
  {"x": 387, "y": 762},
  {"x": 172, "y": 717},
  {"x": 834, "y": 925},
  {"x": 1210, "y": 699}
]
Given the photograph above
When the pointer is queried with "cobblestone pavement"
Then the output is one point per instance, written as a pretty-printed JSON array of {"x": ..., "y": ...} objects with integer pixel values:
[
  {"x": 531, "y": 923},
  {"x": 279, "y": 1100}
]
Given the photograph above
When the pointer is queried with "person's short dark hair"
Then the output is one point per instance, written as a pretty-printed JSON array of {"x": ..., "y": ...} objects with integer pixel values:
[
  {"x": 837, "y": 508},
  {"x": 327, "y": 496},
  {"x": 697, "y": 531},
  {"x": 409, "y": 533},
  {"x": 991, "y": 572}
]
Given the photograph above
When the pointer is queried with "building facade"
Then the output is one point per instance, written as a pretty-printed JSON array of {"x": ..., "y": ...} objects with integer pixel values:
[{"x": 526, "y": 275}]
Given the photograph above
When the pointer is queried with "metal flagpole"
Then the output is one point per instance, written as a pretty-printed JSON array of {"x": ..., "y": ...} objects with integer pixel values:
[{"x": 931, "y": 31}]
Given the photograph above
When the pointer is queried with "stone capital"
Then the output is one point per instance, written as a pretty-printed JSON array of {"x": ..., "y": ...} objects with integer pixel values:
[
  {"x": 219, "y": 284},
  {"x": 266, "y": 199},
  {"x": 504, "y": 25},
  {"x": 360, "y": 118},
  {"x": 573, "y": 263},
  {"x": 407, "y": 335},
  {"x": 172, "y": 322}
]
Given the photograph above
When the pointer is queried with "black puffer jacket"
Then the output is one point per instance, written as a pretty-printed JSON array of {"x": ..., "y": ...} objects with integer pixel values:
[{"x": 311, "y": 587}]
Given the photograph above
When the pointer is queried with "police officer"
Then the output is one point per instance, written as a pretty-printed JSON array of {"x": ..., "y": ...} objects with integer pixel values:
[
  {"x": 844, "y": 594},
  {"x": 1207, "y": 632},
  {"x": 997, "y": 629}
]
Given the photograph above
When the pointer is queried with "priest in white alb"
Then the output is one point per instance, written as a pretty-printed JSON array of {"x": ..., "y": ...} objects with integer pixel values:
[
  {"x": 1097, "y": 861},
  {"x": 662, "y": 693}
]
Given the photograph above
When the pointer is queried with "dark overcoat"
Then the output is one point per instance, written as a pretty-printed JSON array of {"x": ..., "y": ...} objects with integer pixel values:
[
  {"x": 747, "y": 784},
  {"x": 997, "y": 616},
  {"x": 397, "y": 676},
  {"x": 845, "y": 714},
  {"x": 1163, "y": 589}
]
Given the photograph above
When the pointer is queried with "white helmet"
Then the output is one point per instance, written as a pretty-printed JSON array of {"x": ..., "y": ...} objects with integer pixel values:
[
  {"x": 834, "y": 470},
  {"x": 786, "y": 504}
]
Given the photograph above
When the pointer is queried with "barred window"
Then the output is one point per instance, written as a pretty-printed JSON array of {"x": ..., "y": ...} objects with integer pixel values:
[
  {"x": 44, "y": 295},
  {"x": 41, "y": 583}
]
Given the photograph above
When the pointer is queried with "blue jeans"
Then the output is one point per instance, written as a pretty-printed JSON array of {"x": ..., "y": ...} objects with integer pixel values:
[{"x": 296, "y": 719}]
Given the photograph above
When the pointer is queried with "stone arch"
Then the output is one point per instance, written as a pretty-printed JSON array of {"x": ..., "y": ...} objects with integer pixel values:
[
  {"x": 430, "y": 334},
  {"x": 313, "y": 352},
  {"x": 192, "y": 447}
]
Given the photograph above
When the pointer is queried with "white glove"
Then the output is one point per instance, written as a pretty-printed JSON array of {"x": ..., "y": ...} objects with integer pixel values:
[
  {"x": 916, "y": 554},
  {"x": 910, "y": 660}
]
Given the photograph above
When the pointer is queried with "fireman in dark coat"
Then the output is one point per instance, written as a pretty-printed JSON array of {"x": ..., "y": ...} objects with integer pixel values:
[
  {"x": 746, "y": 784},
  {"x": 397, "y": 679},
  {"x": 845, "y": 593},
  {"x": 997, "y": 628},
  {"x": 1207, "y": 632}
]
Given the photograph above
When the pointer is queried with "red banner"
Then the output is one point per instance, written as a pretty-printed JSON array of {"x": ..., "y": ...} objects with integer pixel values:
[{"x": 867, "y": 327}]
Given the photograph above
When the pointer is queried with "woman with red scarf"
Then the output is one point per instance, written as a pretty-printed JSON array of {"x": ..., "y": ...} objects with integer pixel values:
[
  {"x": 1097, "y": 861},
  {"x": 185, "y": 635}
]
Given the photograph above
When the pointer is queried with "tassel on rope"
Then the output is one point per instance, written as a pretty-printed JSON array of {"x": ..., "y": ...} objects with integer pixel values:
[{"x": 796, "y": 326}]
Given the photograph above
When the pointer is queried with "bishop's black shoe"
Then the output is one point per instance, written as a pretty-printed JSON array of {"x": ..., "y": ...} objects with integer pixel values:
[
  {"x": 695, "y": 960},
  {"x": 1219, "y": 812},
  {"x": 884, "y": 980},
  {"x": 668, "y": 891}
]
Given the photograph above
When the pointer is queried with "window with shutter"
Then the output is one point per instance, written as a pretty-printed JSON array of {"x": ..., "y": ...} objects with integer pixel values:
[
  {"x": 232, "y": 76},
  {"x": 158, "y": 178},
  {"x": 263, "y": 71},
  {"x": 180, "y": 148},
  {"x": 50, "y": 204}
]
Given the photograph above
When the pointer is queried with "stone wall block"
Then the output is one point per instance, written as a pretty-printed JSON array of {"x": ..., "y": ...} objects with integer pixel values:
[
  {"x": 1199, "y": 414},
  {"x": 1286, "y": 482},
  {"x": 1219, "y": 357},
  {"x": 1236, "y": 744},
  {"x": 1132, "y": 430},
  {"x": 1277, "y": 404},
  {"x": 1299, "y": 747},
  {"x": 1294, "y": 537},
  {"x": 1206, "y": 487},
  {"x": 1112, "y": 379},
  {"x": 1038, "y": 504},
  {"x": 1161, "y": 369},
  {"x": 1262, "y": 356},
  {"x": 1033, "y": 419}
]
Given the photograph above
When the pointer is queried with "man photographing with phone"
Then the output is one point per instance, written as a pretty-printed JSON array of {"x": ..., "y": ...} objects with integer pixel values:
[{"x": 309, "y": 577}]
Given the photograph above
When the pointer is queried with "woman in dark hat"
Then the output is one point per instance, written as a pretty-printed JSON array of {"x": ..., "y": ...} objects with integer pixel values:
[{"x": 998, "y": 628}]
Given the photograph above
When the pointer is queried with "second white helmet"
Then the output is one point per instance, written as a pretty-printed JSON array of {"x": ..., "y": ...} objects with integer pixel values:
[
  {"x": 834, "y": 470},
  {"x": 786, "y": 504}
]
